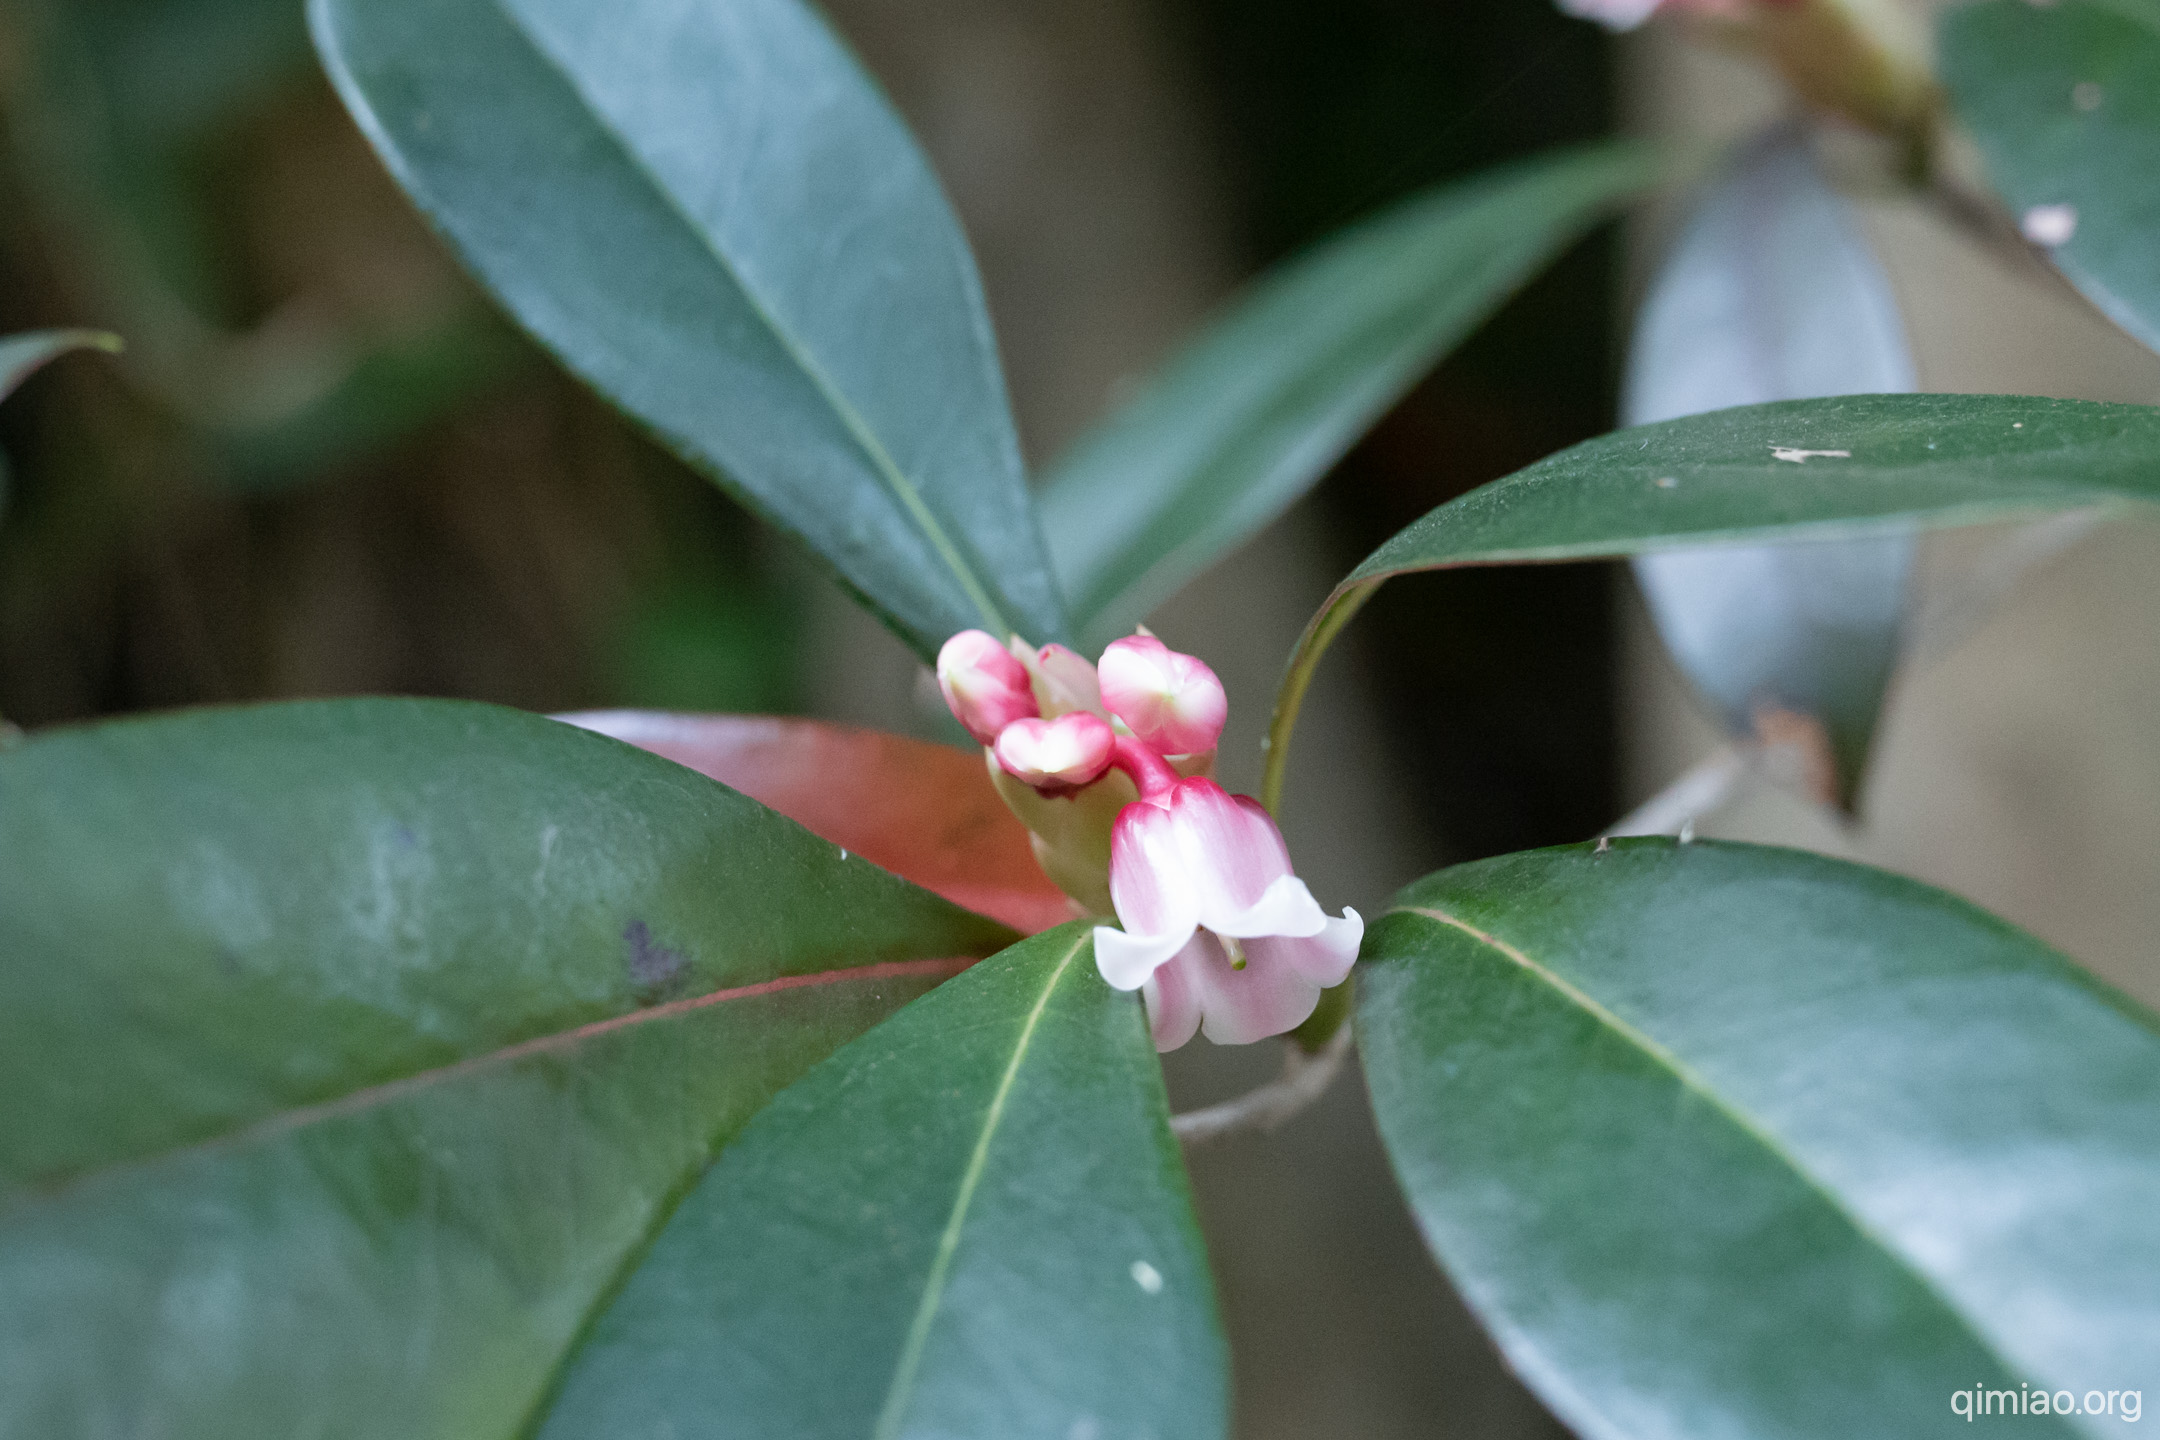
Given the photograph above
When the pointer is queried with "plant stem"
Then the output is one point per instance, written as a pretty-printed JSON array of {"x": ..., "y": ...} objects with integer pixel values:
[
  {"x": 1290, "y": 697},
  {"x": 1305, "y": 1079}
]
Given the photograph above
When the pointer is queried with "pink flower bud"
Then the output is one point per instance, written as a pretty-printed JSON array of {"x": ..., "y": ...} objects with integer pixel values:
[
  {"x": 1218, "y": 933},
  {"x": 1057, "y": 756},
  {"x": 1172, "y": 702},
  {"x": 1064, "y": 681},
  {"x": 985, "y": 686}
]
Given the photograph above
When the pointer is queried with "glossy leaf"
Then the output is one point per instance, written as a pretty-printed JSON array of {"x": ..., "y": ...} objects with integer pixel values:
[
  {"x": 1909, "y": 460},
  {"x": 1830, "y": 469},
  {"x": 1771, "y": 293},
  {"x": 348, "y": 1051},
  {"x": 2064, "y": 100},
  {"x": 1255, "y": 411},
  {"x": 973, "y": 1221},
  {"x": 926, "y": 812},
  {"x": 709, "y": 213},
  {"x": 1722, "y": 1140}
]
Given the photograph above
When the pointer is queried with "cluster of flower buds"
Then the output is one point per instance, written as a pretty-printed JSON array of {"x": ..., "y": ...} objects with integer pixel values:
[{"x": 1110, "y": 767}]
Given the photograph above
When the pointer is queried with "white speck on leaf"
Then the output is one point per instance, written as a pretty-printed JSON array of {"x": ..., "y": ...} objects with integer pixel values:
[
  {"x": 1801, "y": 457},
  {"x": 1147, "y": 1277},
  {"x": 1666, "y": 482},
  {"x": 843, "y": 852},
  {"x": 2049, "y": 225},
  {"x": 548, "y": 836},
  {"x": 2087, "y": 95}
]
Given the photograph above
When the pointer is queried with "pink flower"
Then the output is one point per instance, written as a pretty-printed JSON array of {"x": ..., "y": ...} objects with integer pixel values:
[
  {"x": 1058, "y": 756},
  {"x": 1218, "y": 933},
  {"x": 985, "y": 684},
  {"x": 1172, "y": 702}
]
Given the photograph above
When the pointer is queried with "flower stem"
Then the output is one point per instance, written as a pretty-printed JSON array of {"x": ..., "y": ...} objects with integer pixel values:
[{"x": 1290, "y": 697}]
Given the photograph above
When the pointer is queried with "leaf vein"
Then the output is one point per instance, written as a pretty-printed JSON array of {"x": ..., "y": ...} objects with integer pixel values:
[
  {"x": 903, "y": 489},
  {"x": 918, "y": 1337},
  {"x": 1690, "y": 1081}
]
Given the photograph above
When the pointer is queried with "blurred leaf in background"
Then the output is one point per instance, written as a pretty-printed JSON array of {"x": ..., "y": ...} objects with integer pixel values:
[
  {"x": 1771, "y": 293},
  {"x": 328, "y": 465}
]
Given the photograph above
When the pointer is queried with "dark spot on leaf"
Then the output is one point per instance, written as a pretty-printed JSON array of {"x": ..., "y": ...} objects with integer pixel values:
[
  {"x": 406, "y": 837},
  {"x": 651, "y": 965}
]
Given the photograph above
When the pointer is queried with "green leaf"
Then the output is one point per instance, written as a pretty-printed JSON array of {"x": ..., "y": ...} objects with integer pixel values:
[
  {"x": 1910, "y": 460},
  {"x": 349, "y": 1051},
  {"x": 1893, "y": 462},
  {"x": 973, "y": 1221},
  {"x": 709, "y": 213},
  {"x": 1255, "y": 411},
  {"x": 1771, "y": 293},
  {"x": 2064, "y": 100},
  {"x": 1722, "y": 1140},
  {"x": 22, "y": 356}
]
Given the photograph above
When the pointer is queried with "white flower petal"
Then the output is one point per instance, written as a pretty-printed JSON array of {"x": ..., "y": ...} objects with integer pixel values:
[
  {"x": 1126, "y": 960},
  {"x": 1323, "y": 959},
  {"x": 1287, "y": 908}
]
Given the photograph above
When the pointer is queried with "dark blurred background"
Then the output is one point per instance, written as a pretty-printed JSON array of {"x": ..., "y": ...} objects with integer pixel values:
[{"x": 326, "y": 466}]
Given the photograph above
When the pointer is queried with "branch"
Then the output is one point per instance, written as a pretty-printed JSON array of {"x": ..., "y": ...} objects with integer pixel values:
[{"x": 1305, "y": 1079}]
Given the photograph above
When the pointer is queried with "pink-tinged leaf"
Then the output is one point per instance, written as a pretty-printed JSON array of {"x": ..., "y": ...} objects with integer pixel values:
[{"x": 928, "y": 813}]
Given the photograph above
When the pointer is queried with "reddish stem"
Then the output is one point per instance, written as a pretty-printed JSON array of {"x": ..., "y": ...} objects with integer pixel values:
[{"x": 1150, "y": 773}]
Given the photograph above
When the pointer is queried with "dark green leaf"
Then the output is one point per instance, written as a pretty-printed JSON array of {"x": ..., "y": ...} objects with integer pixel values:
[
  {"x": 348, "y": 1051},
  {"x": 1799, "y": 469},
  {"x": 1727, "y": 1141},
  {"x": 973, "y": 1221},
  {"x": 1248, "y": 417},
  {"x": 1909, "y": 460},
  {"x": 2064, "y": 99},
  {"x": 1771, "y": 293},
  {"x": 709, "y": 213}
]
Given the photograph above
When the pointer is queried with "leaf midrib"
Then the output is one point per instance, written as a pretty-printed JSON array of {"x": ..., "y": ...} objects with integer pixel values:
[
  {"x": 1690, "y": 1081},
  {"x": 881, "y": 461},
  {"x": 355, "y": 1102},
  {"x": 901, "y": 1388}
]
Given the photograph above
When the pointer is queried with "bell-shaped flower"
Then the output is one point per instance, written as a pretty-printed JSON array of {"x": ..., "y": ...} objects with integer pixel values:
[
  {"x": 1218, "y": 931},
  {"x": 985, "y": 684},
  {"x": 1059, "y": 756},
  {"x": 1172, "y": 702}
]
